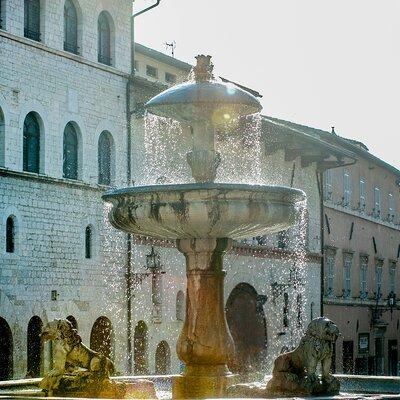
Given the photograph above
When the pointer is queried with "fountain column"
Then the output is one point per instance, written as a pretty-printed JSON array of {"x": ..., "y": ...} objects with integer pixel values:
[{"x": 205, "y": 343}]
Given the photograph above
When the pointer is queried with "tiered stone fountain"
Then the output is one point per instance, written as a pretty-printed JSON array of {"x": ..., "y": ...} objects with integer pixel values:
[{"x": 203, "y": 217}]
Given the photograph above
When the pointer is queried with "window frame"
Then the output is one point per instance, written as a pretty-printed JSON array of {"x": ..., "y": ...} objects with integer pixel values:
[
  {"x": 346, "y": 188},
  {"x": 328, "y": 185},
  {"x": 32, "y": 29},
  {"x": 29, "y": 139},
  {"x": 102, "y": 171},
  {"x": 377, "y": 202},
  {"x": 391, "y": 207},
  {"x": 362, "y": 194},
  {"x": 89, "y": 242},
  {"x": 347, "y": 267},
  {"x": 330, "y": 276},
  {"x": 104, "y": 39},
  {"x": 363, "y": 277},
  {"x": 70, "y": 171},
  {"x": 10, "y": 235},
  {"x": 378, "y": 279},
  {"x": 168, "y": 76},
  {"x": 149, "y": 68},
  {"x": 71, "y": 44},
  {"x": 392, "y": 277}
]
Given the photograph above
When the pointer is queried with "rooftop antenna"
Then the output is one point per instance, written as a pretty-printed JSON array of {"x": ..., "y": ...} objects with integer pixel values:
[{"x": 171, "y": 46}]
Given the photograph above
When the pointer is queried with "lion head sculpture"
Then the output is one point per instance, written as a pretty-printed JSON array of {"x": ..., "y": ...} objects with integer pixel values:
[
  {"x": 60, "y": 329},
  {"x": 323, "y": 329}
]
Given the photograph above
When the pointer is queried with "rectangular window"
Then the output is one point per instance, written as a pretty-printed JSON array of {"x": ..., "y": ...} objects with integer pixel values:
[
  {"x": 347, "y": 261},
  {"x": 378, "y": 279},
  {"x": 363, "y": 277},
  {"x": 330, "y": 273},
  {"x": 2, "y": 24},
  {"x": 136, "y": 65},
  {"x": 377, "y": 202},
  {"x": 391, "y": 211},
  {"x": 328, "y": 185},
  {"x": 151, "y": 71},
  {"x": 170, "y": 78},
  {"x": 283, "y": 239},
  {"x": 392, "y": 277},
  {"x": 346, "y": 188},
  {"x": 362, "y": 200}
]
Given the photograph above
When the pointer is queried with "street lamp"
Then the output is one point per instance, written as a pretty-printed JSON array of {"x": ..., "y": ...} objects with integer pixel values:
[{"x": 153, "y": 263}]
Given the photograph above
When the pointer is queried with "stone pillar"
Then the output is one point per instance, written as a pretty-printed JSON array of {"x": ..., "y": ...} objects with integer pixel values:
[{"x": 205, "y": 343}]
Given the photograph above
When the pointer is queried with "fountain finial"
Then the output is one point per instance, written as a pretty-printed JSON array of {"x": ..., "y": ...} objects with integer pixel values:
[{"x": 203, "y": 69}]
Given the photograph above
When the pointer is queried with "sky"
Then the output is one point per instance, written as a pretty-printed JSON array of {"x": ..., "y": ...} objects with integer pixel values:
[{"x": 320, "y": 63}]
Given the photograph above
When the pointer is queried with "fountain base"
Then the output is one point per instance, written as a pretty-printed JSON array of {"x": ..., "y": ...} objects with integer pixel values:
[{"x": 202, "y": 381}]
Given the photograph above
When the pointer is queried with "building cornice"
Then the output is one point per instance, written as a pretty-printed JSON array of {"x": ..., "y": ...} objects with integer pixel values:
[
  {"x": 357, "y": 302},
  {"x": 42, "y": 178},
  {"x": 347, "y": 210},
  {"x": 64, "y": 54},
  {"x": 237, "y": 249}
]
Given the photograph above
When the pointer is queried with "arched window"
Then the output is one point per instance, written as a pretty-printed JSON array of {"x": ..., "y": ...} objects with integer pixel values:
[
  {"x": 6, "y": 350},
  {"x": 101, "y": 336},
  {"x": 10, "y": 234},
  {"x": 88, "y": 242},
  {"x": 105, "y": 158},
  {"x": 32, "y": 19},
  {"x": 180, "y": 306},
  {"x": 31, "y": 143},
  {"x": 285, "y": 310},
  {"x": 70, "y": 27},
  {"x": 70, "y": 152},
  {"x": 163, "y": 358},
  {"x": 140, "y": 348},
  {"x": 34, "y": 347},
  {"x": 104, "y": 39},
  {"x": 2, "y": 138}
]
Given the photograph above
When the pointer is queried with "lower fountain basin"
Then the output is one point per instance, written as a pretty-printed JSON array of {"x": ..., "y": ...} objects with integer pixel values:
[{"x": 207, "y": 210}]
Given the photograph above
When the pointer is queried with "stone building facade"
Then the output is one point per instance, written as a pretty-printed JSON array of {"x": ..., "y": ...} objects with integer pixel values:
[
  {"x": 361, "y": 241},
  {"x": 362, "y": 249},
  {"x": 50, "y": 192}
]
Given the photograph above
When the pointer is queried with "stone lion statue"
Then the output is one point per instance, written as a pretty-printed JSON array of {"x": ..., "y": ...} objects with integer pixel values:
[
  {"x": 73, "y": 362},
  {"x": 295, "y": 372}
]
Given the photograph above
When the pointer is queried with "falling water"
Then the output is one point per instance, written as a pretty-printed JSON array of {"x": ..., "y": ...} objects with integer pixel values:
[{"x": 239, "y": 144}]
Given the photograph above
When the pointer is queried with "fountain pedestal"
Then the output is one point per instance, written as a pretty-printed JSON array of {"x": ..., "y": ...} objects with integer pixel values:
[{"x": 205, "y": 343}]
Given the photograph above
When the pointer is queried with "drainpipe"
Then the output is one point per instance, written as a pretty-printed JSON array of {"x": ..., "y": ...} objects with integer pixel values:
[{"x": 128, "y": 273}]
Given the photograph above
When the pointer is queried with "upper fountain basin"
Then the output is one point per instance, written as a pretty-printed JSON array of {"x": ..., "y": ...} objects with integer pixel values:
[
  {"x": 208, "y": 101},
  {"x": 208, "y": 210}
]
